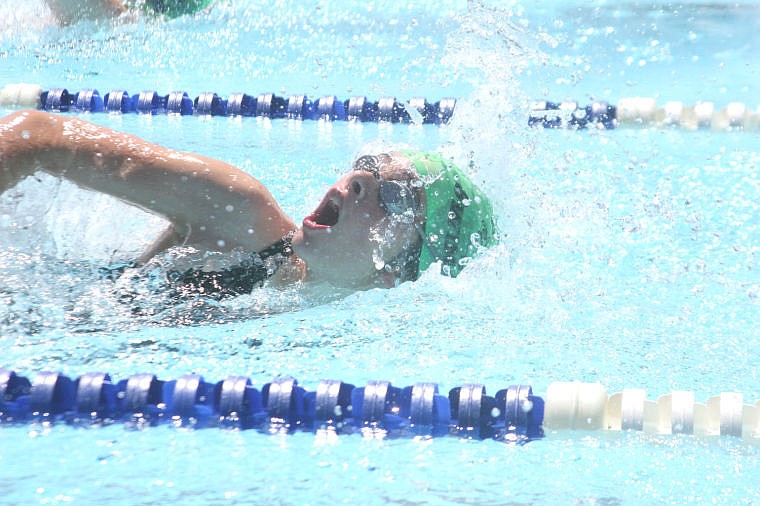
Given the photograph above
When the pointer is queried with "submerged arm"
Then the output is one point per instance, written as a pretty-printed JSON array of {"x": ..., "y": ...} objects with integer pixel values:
[{"x": 208, "y": 202}]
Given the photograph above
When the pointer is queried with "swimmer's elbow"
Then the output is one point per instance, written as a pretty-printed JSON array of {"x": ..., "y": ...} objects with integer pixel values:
[{"x": 16, "y": 145}]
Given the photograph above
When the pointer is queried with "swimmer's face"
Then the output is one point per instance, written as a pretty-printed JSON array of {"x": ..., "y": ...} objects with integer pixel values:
[{"x": 350, "y": 237}]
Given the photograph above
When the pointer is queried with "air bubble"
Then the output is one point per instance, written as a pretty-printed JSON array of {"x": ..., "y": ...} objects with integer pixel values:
[
  {"x": 229, "y": 208},
  {"x": 26, "y": 134},
  {"x": 221, "y": 243},
  {"x": 378, "y": 260}
]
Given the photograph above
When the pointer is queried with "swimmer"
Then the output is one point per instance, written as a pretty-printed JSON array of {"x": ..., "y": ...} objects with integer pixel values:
[
  {"x": 68, "y": 12},
  {"x": 386, "y": 221}
]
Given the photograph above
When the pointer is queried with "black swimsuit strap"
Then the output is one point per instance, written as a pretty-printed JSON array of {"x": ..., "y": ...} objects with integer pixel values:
[
  {"x": 243, "y": 278},
  {"x": 282, "y": 247}
]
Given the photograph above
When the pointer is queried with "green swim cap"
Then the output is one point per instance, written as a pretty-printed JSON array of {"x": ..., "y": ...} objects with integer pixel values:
[
  {"x": 175, "y": 8},
  {"x": 459, "y": 216}
]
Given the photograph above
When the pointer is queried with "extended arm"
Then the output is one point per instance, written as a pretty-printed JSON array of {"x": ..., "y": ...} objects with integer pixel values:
[{"x": 209, "y": 202}]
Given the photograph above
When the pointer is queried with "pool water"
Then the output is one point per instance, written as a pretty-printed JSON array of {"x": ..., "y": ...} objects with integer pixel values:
[{"x": 629, "y": 257}]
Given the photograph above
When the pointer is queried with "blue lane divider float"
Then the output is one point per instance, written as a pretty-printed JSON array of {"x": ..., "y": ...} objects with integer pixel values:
[
  {"x": 634, "y": 111},
  {"x": 377, "y": 409},
  {"x": 301, "y": 107}
]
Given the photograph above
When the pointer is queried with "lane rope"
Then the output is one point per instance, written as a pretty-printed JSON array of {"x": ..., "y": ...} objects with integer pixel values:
[
  {"x": 299, "y": 107},
  {"x": 377, "y": 409},
  {"x": 627, "y": 112}
]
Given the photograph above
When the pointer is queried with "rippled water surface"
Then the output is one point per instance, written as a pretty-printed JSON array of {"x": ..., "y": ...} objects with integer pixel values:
[{"x": 629, "y": 257}]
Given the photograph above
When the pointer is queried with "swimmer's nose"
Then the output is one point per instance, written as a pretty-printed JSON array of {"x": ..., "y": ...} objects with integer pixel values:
[{"x": 337, "y": 193}]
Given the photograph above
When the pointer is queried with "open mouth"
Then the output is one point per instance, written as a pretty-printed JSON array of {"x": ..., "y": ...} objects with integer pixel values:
[{"x": 324, "y": 216}]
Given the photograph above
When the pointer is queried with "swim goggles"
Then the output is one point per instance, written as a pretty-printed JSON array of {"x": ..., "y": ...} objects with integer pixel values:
[{"x": 395, "y": 197}]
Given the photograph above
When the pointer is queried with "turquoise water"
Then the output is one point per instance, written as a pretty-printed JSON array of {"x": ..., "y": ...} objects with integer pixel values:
[{"x": 630, "y": 257}]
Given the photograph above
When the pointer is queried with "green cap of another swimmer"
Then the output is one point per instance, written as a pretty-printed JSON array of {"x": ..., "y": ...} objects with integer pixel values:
[
  {"x": 174, "y": 8},
  {"x": 459, "y": 217}
]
